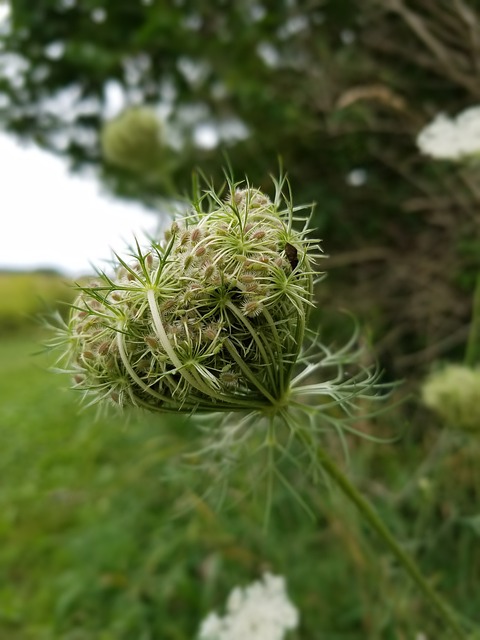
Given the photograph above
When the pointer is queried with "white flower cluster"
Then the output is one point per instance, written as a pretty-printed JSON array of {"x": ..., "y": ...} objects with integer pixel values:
[
  {"x": 261, "y": 611},
  {"x": 454, "y": 394},
  {"x": 452, "y": 138}
]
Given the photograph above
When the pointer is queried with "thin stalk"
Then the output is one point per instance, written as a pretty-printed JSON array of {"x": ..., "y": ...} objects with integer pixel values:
[
  {"x": 246, "y": 370},
  {"x": 278, "y": 346},
  {"x": 131, "y": 371},
  {"x": 371, "y": 516},
  {"x": 298, "y": 340},
  {"x": 472, "y": 353},
  {"x": 261, "y": 346},
  {"x": 190, "y": 377}
]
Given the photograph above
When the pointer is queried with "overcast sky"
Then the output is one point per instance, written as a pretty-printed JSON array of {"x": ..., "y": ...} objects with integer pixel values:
[{"x": 49, "y": 218}]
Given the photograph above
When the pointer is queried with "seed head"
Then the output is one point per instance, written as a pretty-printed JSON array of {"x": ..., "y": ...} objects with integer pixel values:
[
  {"x": 209, "y": 318},
  {"x": 195, "y": 235},
  {"x": 454, "y": 393},
  {"x": 252, "y": 308}
]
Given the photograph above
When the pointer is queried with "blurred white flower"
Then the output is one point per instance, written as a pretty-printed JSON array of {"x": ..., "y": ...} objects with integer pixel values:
[
  {"x": 261, "y": 611},
  {"x": 454, "y": 393},
  {"x": 357, "y": 177},
  {"x": 452, "y": 138}
]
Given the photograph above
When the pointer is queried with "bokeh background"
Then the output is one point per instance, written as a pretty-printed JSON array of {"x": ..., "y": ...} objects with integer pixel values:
[{"x": 105, "y": 533}]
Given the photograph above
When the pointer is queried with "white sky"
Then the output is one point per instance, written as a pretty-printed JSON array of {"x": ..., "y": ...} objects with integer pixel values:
[{"x": 50, "y": 218}]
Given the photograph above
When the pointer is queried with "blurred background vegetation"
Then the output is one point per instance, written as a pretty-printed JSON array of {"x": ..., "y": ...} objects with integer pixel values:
[{"x": 102, "y": 537}]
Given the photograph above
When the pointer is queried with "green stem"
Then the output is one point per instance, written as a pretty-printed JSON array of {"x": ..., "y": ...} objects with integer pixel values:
[
  {"x": 191, "y": 377},
  {"x": 472, "y": 353},
  {"x": 372, "y": 517},
  {"x": 278, "y": 350},
  {"x": 246, "y": 371},
  {"x": 261, "y": 346}
]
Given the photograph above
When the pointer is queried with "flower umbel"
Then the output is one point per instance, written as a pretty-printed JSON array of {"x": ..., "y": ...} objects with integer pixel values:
[
  {"x": 452, "y": 138},
  {"x": 134, "y": 140},
  {"x": 212, "y": 318},
  {"x": 261, "y": 611},
  {"x": 454, "y": 394}
]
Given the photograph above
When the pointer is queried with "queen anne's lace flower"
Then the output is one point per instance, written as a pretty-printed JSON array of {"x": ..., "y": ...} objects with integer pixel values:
[
  {"x": 261, "y": 611},
  {"x": 452, "y": 138},
  {"x": 454, "y": 394},
  {"x": 134, "y": 141},
  {"x": 211, "y": 317}
]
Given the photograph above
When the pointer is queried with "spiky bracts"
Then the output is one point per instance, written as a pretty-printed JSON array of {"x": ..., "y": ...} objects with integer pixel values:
[{"x": 211, "y": 318}]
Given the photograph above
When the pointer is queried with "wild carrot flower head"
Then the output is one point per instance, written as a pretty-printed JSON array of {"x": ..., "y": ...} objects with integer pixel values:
[
  {"x": 133, "y": 140},
  {"x": 211, "y": 318},
  {"x": 261, "y": 611},
  {"x": 454, "y": 394},
  {"x": 452, "y": 138}
]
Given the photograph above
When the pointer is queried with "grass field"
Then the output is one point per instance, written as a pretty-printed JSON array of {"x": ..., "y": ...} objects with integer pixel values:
[
  {"x": 25, "y": 294},
  {"x": 105, "y": 534}
]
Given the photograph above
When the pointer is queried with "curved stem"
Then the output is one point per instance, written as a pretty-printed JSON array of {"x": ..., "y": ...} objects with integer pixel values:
[
  {"x": 248, "y": 374},
  {"x": 278, "y": 360},
  {"x": 298, "y": 340},
  {"x": 190, "y": 377},
  {"x": 371, "y": 516},
  {"x": 472, "y": 352},
  {"x": 130, "y": 370},
  {"x": 162, "y": 336},
  {"x": 261, "y": 346}
]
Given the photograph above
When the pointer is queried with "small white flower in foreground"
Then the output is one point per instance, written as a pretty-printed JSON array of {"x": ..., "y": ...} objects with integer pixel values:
[
  {"x": 452, "y": 138},
  {"x": 261, "y": 611}
]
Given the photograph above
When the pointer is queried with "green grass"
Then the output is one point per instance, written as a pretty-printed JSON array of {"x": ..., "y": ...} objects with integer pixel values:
[
  {"x": 23, "y": 295},
  {"x": 105, "y": 534}
]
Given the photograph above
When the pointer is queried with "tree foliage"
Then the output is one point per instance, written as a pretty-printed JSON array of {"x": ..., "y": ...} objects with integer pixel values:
[{"x": 249, "y": 70}]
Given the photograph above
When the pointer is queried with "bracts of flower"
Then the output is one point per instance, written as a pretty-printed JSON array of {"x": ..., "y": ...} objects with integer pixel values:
[{"x": 211, "y": 318}]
